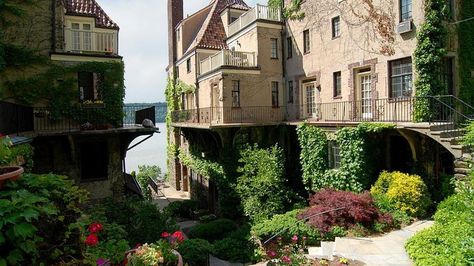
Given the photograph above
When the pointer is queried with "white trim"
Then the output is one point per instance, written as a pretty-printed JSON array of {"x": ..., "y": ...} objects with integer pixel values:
[
  {"x": 75, "y": 58},
  {"x": 228, "y": 71},
  {"x": 251, "y": 27}
]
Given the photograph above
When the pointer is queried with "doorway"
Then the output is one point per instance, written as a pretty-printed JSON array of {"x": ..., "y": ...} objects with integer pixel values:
[{"x": 364, "y": 85}]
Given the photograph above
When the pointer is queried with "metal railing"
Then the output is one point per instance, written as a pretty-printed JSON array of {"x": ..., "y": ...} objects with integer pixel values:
[
  {"x": 228, "y": 58},
  {"x": 81, "y": 41},
  {"x": 256, "y": 13}
]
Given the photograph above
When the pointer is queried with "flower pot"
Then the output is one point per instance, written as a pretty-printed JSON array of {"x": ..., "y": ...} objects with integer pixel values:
[
  {"x": 10, "y": 173},
  {"x": 180, "y": 259}
]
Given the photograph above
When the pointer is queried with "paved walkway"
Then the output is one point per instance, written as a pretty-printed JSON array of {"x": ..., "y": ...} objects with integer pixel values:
[
  {"x": 167, "y": 194},
  {"x": 383, "y": 250}
]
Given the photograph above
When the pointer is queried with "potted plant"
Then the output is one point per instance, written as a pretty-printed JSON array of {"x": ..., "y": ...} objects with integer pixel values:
[{"x": 7, "y": 172}]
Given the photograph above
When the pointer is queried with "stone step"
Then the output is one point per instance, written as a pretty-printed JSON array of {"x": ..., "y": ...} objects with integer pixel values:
[
  {"x": 325, "y": 251},
  {"x": 441, "y": 127}
]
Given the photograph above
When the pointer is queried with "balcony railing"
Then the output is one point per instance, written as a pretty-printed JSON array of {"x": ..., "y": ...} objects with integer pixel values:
[
  {"x": 80, "y": 41},
  {"x": 17, "y": 119},
  {"x": 228, "y": 58},
  {"x": 256, "y": 13}
]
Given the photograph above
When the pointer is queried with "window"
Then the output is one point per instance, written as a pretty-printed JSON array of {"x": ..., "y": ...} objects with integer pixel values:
[
  {"x": 310, "y": 97},
  {"x": 274, "y": 47},
  {"x": 178, "y": 34},
  {"x": 306, "y": 42},
  {"x": 274, "y": 93},
  {"x": 81, "y": 38},
  {"x": 188, "y": 65},
  {"x": 94, "y": 160},
  {"x": 88, "y": 86},
  {"x": 232, "y": 19},
  {"x": 290, "y": 91},
  {"x": 405, "y": 10},
  {"x": 401, "y": 78},
  {"x": 334, "y": 155},
  {"x": 87, "y": 37},
  {"x": 337, "y": 83},
  {"x": 289, "y": 44},
  {"x": 336, "y": 27},
  {"x": 447, "y": 76},
  {"x": 235, "y": 93},
  {"x": 451, "y": 10},
  {"x": 76, "y": 36}
]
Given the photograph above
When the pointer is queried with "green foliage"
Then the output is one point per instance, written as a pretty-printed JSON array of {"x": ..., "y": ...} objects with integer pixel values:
[
  {"x": 182, "y": 209},
  {"x": 153, "y": 254},
  {"x": 428, "y": 56},
  {"x": 451, "y": 240},
  {"x": 145, "y": 173},
  {"x": 38, "y": 220},
  {"x": 236, "y": 247},
  {"x": 112, "y": 245},
  {"x": 465, "y": 51},
  {"x": 261, "y": 186},
  {"x": 195, "y": 252},
  {"x": 16, "y": 155},
  {"x": 212, "y": 231},
  {"x": 5, "y": 150},
  {"x": 286, "y": 226},
  {"x": 468, "y": 137},
  {"x": 407, "y": 193},
  {"x": 142, "y": 220}
]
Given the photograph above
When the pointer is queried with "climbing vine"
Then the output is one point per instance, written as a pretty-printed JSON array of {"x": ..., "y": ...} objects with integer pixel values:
[
  {"x": 355, "y": 164},
  {"x": 428, "y": 56},
  {"x": 466, "y": 51}
]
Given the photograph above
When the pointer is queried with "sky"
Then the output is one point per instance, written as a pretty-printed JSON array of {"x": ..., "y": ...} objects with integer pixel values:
[{"x": 143, "y": 43}]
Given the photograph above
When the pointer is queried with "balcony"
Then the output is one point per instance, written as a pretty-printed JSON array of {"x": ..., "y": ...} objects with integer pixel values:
[
  {"x": 91, "y": 42},
  {"x": 256, "y": 13},
  {"x": 228, "y": 58}
]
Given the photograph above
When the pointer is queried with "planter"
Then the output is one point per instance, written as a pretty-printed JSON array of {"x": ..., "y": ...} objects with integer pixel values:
[
  {"x": 10, "y": 173},
  {"x": 180, "y": 258}
]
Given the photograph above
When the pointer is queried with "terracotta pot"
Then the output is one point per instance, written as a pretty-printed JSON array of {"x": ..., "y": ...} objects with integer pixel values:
[
  {"x": 180, "y": 259},
  {"x": 10, "y": 173}
]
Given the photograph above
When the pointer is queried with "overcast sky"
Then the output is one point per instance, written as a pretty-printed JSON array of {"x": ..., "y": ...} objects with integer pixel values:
[{"x": 144, "y": 43}]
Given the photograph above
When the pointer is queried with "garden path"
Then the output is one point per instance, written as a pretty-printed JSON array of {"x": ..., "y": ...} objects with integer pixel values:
[
  {"x": 167, "y": 194},
  {"x": 387, "y": 249}
]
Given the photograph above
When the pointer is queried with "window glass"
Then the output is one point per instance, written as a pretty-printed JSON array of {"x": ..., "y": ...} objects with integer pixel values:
[
  {"x": 310, "y": 98},
  {"x": 290, "y": 91},
  {"x": 274, "y": 93},
  {"x": 289, "y": 43},
  {"x": 337, "y": 83},
  {"x": 405, "y": 10},
  {"x": 401, "y": 78},
  {"x": 334, "y": 155},
  {"x": 336, "y": 27},
  {"x": 274, "y": 48},
  {"x": 306, "y": 41},
  {"x": 235, "y": 93}
]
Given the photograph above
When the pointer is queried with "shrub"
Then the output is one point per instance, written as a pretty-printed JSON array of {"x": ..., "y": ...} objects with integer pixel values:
[
  {"x": 237, "y": 247},
  {"x": 182, "y": 209},
  {"x": 407, "y": 193},
  {"x": 38, "y": 220},
  {"x": 287, "y": 225},
  {"x": 195, "y": 251},
  {"x": 261, "y": 187},
  {"x": 357, "y": 209},
  {"x": 212, "y": 231},
  {"x": 111, "y": 245},
  {"x": 142, "y": 220}
]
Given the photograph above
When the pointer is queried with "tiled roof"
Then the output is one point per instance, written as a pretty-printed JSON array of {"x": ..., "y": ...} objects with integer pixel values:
[
  {"x": 90, "y": 8},
  {"x": 213, "y": 34}
]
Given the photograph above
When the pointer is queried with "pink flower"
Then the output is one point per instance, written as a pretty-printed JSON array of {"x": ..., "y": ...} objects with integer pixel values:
[
  {"x": 271, "y": 254},
  {"x": 95, "y": 228},
  {"x": 286, "y": 260},
  {"x": 178, "y": 235},
  {"x": 294, "y": 238},
  {"x": 165, "y": 234},
  {"x": 92, "y": 240}
]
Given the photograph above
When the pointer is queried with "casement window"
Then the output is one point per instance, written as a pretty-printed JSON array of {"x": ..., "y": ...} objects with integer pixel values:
[
  {"x": 274, "y": 48},
  {"x": 405, "y": 10},
  {"x": 94, "y": 160},
  {"x": 336, "y": 27},
  {"x": 275, "y": 95},
  {"x": 337, "y": 83},
  {"x": 334, "y": 155},
  {"x": 401, "y": 78},
  {"x": 89, "y": 86},
  {"x": 188, "y": 65},
  {"x": 81, "y": 34},
  {"x": 290, "y": 91},
  {"x": 306, "y": 42},
  {"x": 236, "y": 93},
  {"x": 310, "y": 99},
  {"x": 289, "y": 46}
]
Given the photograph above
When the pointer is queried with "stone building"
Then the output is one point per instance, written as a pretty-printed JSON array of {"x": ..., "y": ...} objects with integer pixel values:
[
  {"x": 252, "y": 75},
  {"x": 66, "y": 93}
]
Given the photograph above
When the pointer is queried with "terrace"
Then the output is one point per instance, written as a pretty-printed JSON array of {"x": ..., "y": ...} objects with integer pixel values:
[
  {"x": 91, "y": 42},
  {"x": 259, "y": 12},
  {"x": 228, "y": 58}
]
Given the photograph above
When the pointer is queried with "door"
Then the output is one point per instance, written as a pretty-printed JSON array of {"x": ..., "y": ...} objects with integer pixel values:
[
  {"x": 310, "y": 101},
  {"x": 365, "y": 88},
  {"x": 86, "y": 86}
]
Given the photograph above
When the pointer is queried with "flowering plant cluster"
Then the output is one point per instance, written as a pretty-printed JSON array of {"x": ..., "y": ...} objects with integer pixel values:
[
  {"x": 292, "y": 253},
  {"x": 92, "y": 239},
  {"x": 162, "y": 253}
]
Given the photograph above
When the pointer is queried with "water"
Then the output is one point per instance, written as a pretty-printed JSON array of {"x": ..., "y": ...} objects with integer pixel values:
[{"x": 150, "y": 152}]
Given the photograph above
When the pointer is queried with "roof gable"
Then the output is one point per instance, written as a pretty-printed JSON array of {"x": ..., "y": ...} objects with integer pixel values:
[{"x": 90, "y": 8}]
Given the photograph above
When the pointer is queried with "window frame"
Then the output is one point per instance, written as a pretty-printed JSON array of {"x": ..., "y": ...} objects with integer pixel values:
[
  {"x": 236, "y": 91},
  {"x": 403, "y": 93},
  {"x": 188, "y": 65},
  {"x": 306, "y": 41},
  {"x": 275, "y": 94},
  {"x": 289, "y": 44},
  {"x": 409, "y": 13},
  {"x": 290, "y": 91},
  {"x": 334, "y": 155},
  {"x": 336, "y": 31},
  {"x": 274, "y": 48},
  {"x": 337, "y": 84}
]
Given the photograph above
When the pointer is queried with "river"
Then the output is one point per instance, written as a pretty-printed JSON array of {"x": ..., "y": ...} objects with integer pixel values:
[{"x": 150, "y": 152}]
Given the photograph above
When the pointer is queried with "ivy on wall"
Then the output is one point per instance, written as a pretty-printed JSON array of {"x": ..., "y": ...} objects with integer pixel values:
[
  {"x": 428, "y": 56},
  {"x": 355, "y": 165},
  {"x": 466, "y": 51},
  {"x": 292, "y": 11}
]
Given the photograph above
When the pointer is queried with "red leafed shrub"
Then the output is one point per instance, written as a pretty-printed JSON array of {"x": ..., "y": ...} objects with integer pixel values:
[{"x": 359, "y": 209}]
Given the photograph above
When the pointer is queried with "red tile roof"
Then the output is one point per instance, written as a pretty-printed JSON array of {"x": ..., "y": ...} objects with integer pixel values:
[
  {"x": 90, "y": 8},
  {"x": 214, "y": 35}
]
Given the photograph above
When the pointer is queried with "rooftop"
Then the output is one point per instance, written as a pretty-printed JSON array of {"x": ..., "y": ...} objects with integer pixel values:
[{"x": 90, "y": 8}]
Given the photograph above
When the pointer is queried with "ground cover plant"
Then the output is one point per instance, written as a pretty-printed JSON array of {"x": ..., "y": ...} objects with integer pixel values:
[{"x": 214, "y": 230}]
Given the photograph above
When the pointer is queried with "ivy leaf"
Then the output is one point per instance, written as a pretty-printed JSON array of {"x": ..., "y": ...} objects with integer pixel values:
[
  {"x": 15, "y": 257},
  {"x": 24, "y": 230},
  {"x": 29, "y": 213}
]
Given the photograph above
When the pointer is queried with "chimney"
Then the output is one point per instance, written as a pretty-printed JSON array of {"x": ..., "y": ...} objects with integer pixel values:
[{"x": 175, "y": 15}]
